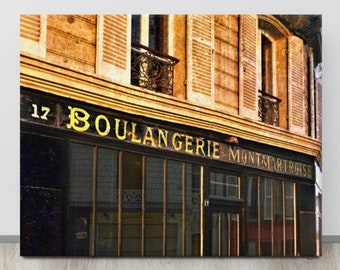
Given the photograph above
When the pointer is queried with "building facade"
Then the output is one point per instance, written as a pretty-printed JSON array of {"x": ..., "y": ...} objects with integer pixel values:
[{"x": 170, "y": 135}]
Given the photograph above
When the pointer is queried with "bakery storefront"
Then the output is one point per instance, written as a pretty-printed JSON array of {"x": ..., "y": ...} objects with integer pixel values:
[{"x": 98, "y": 182}]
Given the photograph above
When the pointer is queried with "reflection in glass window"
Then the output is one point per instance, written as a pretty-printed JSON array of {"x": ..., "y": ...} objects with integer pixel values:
[
  {"x": 154, "y": 203},
  {"x": 107, "y": 202},
  {"x": 80, "y": 199},
  {"x": 270, "y": 217},
  {"x": 174, "y": 208},
  {"x": 131, "y": 229},
  {"x": 192, "y": 207},
  {"x": 128, "y": 204},
  {"x": 224, "y": 185}
]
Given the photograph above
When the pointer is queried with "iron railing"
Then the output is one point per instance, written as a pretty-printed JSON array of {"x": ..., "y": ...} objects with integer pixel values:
[
  {"x": 268, "y": 109},
  {"x": 151, "y": 69}
]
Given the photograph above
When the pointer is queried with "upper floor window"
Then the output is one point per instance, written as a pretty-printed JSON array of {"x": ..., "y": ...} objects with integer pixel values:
[
  {"x": 151, "y": 67},
  {"x": 268, "y": 103}
]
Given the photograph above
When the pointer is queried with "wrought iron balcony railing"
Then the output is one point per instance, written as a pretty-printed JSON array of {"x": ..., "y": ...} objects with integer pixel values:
[
  {"x": 151, "y": 69},
  {"x": 268, "y": 109}
]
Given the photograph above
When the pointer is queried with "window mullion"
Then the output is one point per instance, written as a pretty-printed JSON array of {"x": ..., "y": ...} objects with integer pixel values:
[
  {"x": 94, "y": 201},
  {"x": 120, "y": 201},
  {"x": 183, "y": 208},
  {"x": 284, "y": 217},
  {"x": 164, "y": 206},
  {"x": 143, "y": 203}
]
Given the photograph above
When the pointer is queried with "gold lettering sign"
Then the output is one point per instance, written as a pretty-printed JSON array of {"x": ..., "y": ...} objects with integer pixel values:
[
  {"x": 267, "y": 162},
  {"x": 83, "y": 120},
  {"x": 79, "y": 120}
]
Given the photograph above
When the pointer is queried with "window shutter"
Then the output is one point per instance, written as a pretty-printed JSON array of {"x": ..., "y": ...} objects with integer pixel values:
[
  {"x": 281, "y": 80},
  {"x": 248, "y": 88},
  {"x": 33, "y": 34},
  {"x": 297, "y": 85},
  {"x": 114, "y": 47},
  {"x": 200, "y": 45},
  {"x": 226, "y": 58},
  {"x": 312, "y": 98}
]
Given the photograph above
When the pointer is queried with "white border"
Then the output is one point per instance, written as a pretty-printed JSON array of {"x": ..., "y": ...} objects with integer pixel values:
[{"x": 9, "y": 77}]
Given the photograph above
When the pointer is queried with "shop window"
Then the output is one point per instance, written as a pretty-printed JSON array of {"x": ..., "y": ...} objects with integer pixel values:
[
  {"x": 224, "y": 185},
  {"x": 308, "y": 220},
  {"x": 154, "y": 205},
  {"x": 107, "y": 202},
  {"x": 271, "y": 217},
  {"x": 128, "y": 204},
  {"x": 80, "y": 202},
  {"x": 151, "y": 67},
  {"x": 225, "y": 234}
]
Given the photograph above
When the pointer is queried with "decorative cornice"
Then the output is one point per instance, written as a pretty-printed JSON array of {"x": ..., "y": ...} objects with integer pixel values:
[{"x": 93, "y": 89}]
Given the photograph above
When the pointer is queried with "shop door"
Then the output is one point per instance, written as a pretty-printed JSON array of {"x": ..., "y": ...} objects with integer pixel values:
[
  {"x": 225, "y": 214},
  {"x": 225, "y": 233}
]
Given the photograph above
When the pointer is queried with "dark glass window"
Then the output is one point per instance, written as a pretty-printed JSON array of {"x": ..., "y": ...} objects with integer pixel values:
[
  {"x": 128, "y": 204},
  {"x": 271, "y": 229},
  {"x": 42, "y": 176}
]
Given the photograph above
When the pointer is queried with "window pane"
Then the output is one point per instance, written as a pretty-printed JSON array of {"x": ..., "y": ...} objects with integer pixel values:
[
  {"x": 193, "y": 179},
  {"x": 252, "y": 215},
  {"x": 234, "y": 247},
  {"x": 156, "y": 25},
  {"x": 80, "y": 199},
  {"x": 289, "y": 207},
  {"x": 174, "y": 208},
  {"x": 136, "y": 28},
  {"x": 266, "y": 217},
  {"x": 278, "y": 219},
  {"x": 154, "y": 206},
  {"x": 224, "y": 185},
  {"x": 132, "y": 204},
  {"x": 107, "y": 209},
  {"x": 216, "y": 233}
]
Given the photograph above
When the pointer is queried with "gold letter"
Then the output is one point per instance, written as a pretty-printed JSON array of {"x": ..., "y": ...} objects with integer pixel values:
[
  {"x": 310, "y": 171},
  {"x": 244, "y": 156},
  {"x": 162, "y": 136},
  {"x": 148, "y": 136},
  {"x": 200, "y": 145},
  {"x": 251, "y": 157},
  {"x": 216, "y": 150},
  {"x": 279, "y": 164},
  {"x": 108, "y": 127},
  {"x": 75, "y": 118},
  {"x": 120, "y": 137},
  {"x": 133, "y": 135},
  {"x": 188, "y": 143},
  {"x": 209, "y": 143},
  {"x": 291, "y": 167},
  {"x": 234, "y": 156},
  {"x": 176, "y": 144}
]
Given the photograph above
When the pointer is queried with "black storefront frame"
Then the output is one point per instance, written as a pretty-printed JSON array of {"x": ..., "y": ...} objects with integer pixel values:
[{"x": 66, "y": 137}]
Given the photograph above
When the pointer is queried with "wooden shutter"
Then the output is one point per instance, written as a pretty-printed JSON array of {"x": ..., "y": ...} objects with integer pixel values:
[
  {"x": 200, "y": 45},
  {"x": 281, "y": 80},
  {"x": 297, "y": 74},
  {"x": 226, "y": 58},
  {"x": 248, "y": 89},
  {"x": 33, "y": 34},
  {"x": 114, "y": 47},
  {"x": 311, "y": 76}
]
